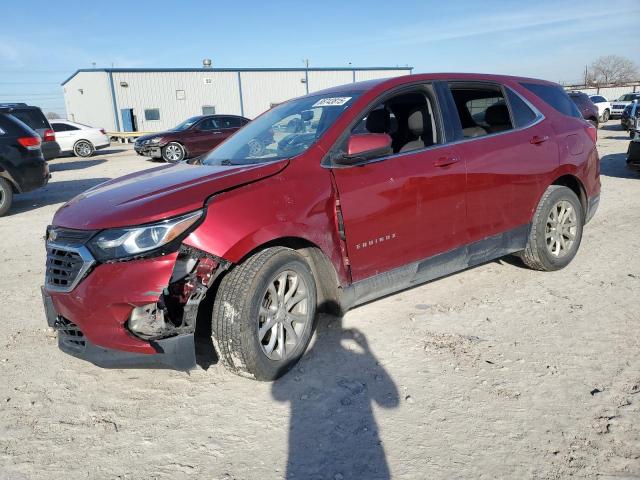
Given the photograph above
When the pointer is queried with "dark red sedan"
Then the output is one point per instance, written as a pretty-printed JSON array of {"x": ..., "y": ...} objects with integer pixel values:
[
  {"x": 195, "y": 136},
  {"x": 322, "y": 203}
]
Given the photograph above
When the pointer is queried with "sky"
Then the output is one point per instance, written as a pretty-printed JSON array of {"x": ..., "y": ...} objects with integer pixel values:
[{"x": 550, "y": 39}]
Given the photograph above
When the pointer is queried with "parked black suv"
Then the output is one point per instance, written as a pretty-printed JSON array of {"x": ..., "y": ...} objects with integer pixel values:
[
  {"x": 22, "y": 166},
  {"x": 35, "y": 119},
  {"x": 629, "y": 122}
]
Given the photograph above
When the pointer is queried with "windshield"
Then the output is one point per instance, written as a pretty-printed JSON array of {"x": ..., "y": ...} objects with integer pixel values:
[
  {"x": 628, "y": 97},
  {"x": 283, "y": 132},
  {"x": 186, "y": 124}
]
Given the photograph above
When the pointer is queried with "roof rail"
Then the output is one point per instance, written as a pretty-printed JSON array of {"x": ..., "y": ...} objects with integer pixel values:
[{"x": 13, "y": 105}]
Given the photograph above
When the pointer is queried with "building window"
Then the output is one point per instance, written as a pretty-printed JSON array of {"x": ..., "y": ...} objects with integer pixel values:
[
  {"x": 180, "y": 95},
  {"x": 208, "y": 110},
  {"x": 152, "y": 114}
]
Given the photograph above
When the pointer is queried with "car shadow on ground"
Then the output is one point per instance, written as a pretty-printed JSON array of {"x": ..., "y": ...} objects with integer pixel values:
[
  {"x": 73, "y": 165},
  {"x": 332, "y": 430},
  {"x": 97, "y": 153},
  {"x": 611, "y": 126},
  {"x": 53, "y": 193},
  {"x": 622, "y": 137},
  {"x": 615, "y": 165}
]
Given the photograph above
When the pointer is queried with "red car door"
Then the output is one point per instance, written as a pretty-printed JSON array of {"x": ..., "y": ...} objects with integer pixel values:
[
  {"x": 509, "y": 153},
  {"x": 403, "y": 207}
]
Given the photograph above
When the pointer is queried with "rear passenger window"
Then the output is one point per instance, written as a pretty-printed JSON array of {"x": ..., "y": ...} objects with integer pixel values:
[
  {"x": 229, "y": 122},
  {"x": 62, "y": 127},
  {"x": 522, "y": 114},
  {"x": 556, "y": 97},
  {"x": 482, "y": 109}
]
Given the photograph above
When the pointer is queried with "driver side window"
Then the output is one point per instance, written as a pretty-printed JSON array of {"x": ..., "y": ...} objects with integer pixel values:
[
  {"x": 408, "y": 118},
  {"x": 208, "y": 124}
]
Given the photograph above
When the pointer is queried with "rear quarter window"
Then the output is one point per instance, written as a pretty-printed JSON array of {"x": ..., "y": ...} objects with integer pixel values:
[
  {"x": 522, "y": 114},
  {"x": 555, "y": 97},
  {"x": 33, "y": 117}
]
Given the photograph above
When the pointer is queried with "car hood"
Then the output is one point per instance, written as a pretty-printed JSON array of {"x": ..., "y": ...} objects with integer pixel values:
[
  {"x": 155, "y": 194},
  {"x": 165, "y": 134}
]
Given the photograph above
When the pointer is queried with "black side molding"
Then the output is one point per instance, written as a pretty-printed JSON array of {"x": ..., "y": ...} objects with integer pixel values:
[{"x": 435, "y": 267}]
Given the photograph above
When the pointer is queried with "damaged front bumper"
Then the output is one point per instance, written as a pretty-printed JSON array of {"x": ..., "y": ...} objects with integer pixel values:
[{"x": 137, "y": 313}]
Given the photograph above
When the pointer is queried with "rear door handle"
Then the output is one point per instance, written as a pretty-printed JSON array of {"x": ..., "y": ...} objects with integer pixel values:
[
  {"x": 538, "y": 140},
  {"x": 445, "y": 161}
]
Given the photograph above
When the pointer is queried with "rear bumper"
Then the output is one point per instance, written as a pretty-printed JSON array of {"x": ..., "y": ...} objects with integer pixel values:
[
  {"x": 50, "y": 150},
  {"x": 594, "y": 202},
  {"x": 33, "y": 173}
]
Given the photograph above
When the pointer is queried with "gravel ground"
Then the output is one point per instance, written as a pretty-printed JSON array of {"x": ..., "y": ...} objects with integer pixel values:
[{"x": 496, "y": 372}]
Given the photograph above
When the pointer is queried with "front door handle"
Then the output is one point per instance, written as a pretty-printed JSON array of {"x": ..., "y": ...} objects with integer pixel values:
[
  {"x": 445, "y": 161},
  {"x": 538, "y": 140}
]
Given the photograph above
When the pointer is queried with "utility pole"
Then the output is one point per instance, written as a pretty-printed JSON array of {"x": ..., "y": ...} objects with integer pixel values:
[{"x": 586, "y": 74}]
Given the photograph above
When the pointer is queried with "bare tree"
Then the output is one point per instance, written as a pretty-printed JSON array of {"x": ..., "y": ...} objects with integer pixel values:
[
  {"x": 52, "y": 115},
  {"x": 613, "y": 69}
]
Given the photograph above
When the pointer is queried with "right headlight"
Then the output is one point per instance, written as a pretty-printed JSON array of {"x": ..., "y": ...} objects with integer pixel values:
[{"x": 120, "y": 243}]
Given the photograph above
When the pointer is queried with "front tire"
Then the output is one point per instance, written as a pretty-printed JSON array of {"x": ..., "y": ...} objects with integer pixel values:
[
  {"x": 6, "y": 196},
  {"x": 83, "y": 149},
  {"x": 264, "y": 314},
  {"x": 173, "y": 152},
  {"x": 556, "y": 230}
]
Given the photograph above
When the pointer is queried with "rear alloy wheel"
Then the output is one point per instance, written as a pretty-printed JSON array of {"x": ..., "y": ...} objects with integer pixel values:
[
  {"x": 6, "y": 196},
  {"x": 83, "y": 148},
  {"x": 264, "y": 312},
  {"x": 173, "y": 152},
  {"x": 605, "y": 116},
  {"x": 556, "y": 230}
]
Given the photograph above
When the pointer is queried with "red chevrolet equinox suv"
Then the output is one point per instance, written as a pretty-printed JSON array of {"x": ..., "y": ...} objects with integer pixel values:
[{"x": 363, "y": 190}]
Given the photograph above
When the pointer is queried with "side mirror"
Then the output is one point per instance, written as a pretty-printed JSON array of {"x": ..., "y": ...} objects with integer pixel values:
[{"x": 365, "y": 146}]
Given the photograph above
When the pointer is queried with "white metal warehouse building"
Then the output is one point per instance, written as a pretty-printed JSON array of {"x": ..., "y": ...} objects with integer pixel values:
[{"x": 149, "y": 100}]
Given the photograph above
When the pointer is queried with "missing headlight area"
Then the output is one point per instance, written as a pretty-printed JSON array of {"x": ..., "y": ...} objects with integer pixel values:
[{"x": 176, "y": 311}]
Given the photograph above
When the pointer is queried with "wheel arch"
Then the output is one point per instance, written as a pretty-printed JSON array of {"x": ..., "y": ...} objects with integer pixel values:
[
  {"x": 574, "y": 184},
  {"x": 7, "y": 176},
  {"x": 83, "y": 140},
  {"x": 324, "y": 273}
]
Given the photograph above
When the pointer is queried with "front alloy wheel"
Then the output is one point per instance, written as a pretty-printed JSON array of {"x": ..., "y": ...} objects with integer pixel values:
[
  {"x": 284, "y": 315},
  {"x": 264, "y": 312},
  {"x": 173, "y": 152}
]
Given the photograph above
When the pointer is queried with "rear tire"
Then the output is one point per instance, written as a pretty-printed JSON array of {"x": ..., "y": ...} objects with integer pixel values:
[
  {"x": 556, "y": 230},
  {"x": 605, "y": 116},
  {"x": 83, "y": 149},
  {"x": 173, "y": 152},
  {"x": 264, "y": 313},
  {"x": 6, "y": 196}
]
